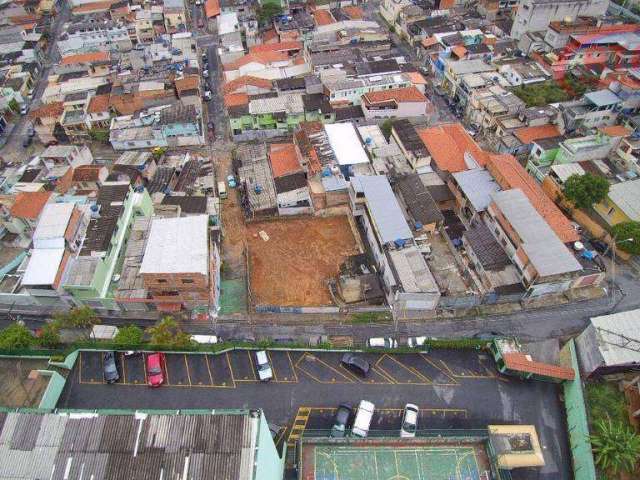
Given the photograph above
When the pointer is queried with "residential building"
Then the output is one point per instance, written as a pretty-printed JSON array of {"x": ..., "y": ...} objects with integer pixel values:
[
  {"x": 410, "y": 143},
  {"x": 472, "y": 190},
  {"x": 622, "y": 203},
  {"x": 20, "y": 217},
  {"x": 87, "y": 35},
  {"x": 544, "y": 262},
  {"x": 593, "y": 110},
  {"x": 349, "y": 91},
  {"x": 175, "y": 266},
  {"x": 451, "y": 149},
  {"x": 175, "y": 18},
  {"x": 535, "y": 15},
  {"x": 396, "y": 103},
  {"x": 254, "y": 172},
  {"x": 523, "y": 72},
  {"x": 290, "y": 180},
  {"x": 92, "y": 275}
]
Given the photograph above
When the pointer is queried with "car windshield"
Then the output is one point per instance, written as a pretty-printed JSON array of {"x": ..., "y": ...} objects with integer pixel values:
[
  {"x": 263, "y": 367},
  {"x": 409, "y": 427}
]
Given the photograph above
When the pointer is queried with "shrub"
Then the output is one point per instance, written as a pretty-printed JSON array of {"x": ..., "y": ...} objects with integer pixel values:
[
  {"x": 129, "y": 335},
  {"x": 16, "y": 337}
]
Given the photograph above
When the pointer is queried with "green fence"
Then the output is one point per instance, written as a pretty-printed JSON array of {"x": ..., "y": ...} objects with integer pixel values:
[{"x": 577, "y": 423}]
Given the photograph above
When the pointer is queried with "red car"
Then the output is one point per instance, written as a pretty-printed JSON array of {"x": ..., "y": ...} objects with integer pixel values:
[{"x": 155, "y": 376}]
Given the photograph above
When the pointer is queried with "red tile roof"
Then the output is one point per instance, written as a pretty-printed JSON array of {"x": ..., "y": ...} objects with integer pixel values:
[
  {"x": 510, "y": 174},
  {"x": 189, "y": 82},
  {"x": 447, "y": 145},
  {"x": 616, "y": 131},
  {"x": 416, "y": 78},
  {"x": 93, "y": 6},
  {"x": 400, "y": 95},
  {"x": 353, "y": 12},
  {"x": 29, "y": 204},
  {"x": 520, "y": 362},
  {"x": 86, "y": 173},
  {"x": 459, "y": 51},
  {"x": 92, "y": 57},
  {"x": 529, "y": 134},
  {"x": 236, "y": 99},
  {"x": 245, "y": 80},
  {"x": 323, "y": 17},
  {"x": 48, "y": 110},
  {"x": 276, "y": 47},
  {"x": 269, "y": 35},
  {"x": 260, "y": 57},
  {"x": 284, "y": 159},
  {"x": 98, "y": 104},
  {"x": 212, "y": 8}
]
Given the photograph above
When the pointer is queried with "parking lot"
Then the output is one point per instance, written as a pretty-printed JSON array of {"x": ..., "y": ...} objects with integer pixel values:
[{"x": 453, "y": 388}]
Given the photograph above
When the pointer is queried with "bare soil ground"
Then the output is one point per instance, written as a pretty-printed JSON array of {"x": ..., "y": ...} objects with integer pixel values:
[{"x": 293, "y": 266}]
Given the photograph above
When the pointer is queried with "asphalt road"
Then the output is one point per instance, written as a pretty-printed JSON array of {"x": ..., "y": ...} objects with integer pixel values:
[{"x": 453, "y": 388}]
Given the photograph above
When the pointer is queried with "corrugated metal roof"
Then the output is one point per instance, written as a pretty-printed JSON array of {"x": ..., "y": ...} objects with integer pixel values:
[
  {"x": 602, "y": 98},
  {"x": 477, "y": 185},
  {"x": 610, "y": 331},
  {"x": 626, "y": 196},
  {"x": 385, "y": 211},
  {"x": 59, "y": 447}
]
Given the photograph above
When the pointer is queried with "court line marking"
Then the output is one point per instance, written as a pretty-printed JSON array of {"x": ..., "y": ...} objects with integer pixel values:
[{"x": 186, "y": 364}]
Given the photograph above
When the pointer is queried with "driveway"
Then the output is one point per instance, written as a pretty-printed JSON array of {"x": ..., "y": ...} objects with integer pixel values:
[{"x": 453, "y": 388}]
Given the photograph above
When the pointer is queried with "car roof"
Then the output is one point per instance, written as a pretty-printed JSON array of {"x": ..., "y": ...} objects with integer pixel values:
[{"x": 261, "y": 355}]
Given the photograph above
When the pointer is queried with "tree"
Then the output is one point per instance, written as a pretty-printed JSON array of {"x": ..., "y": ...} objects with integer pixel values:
[
  {"x": 386, "y": 129},
  {"x": 158, "y": 152},
  {"x": 585, "y": 190},
  {"x": 99, "y": 134},
  {"x": 83, "y": 318},
  {"x": 167, "y": 333},
  {"x": 616, "y": 447},
  {"x": 15, "y": 337},
  {"x": 627, "y": 235},
  {"x": 49, "y": 336},
  {"x": 267, "y": 11},
  {"x": 130, "y": 335}
]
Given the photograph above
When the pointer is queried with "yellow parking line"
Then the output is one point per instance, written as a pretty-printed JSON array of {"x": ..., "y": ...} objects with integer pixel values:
[
  {"x": 411, "y": 369},
  {"x": 186, "y": 364},
  {"x": 124, "y": 369},
  {"x": 206, "y": 360},
  {"x": 434, "y": 365},
  {"x": 327, "y": 382},
  {"x": 80, "y": 367},
  {"x": 166, "y": 370},
  {"x": 230, "y": 370},
  {"x": 253, "y": 367},
  {"x": 395, "y": 380},
  {"x": 293, "y": 367},
  {"x": 144, "y": 367},
  {"x": 273, "y": 367}
]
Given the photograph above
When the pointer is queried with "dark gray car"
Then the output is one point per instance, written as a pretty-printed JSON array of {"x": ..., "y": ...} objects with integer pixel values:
[
  {"x": 111, "y": 374},
  {"x": 341, "y": 420},
  {"x": 355, "y": 363}
]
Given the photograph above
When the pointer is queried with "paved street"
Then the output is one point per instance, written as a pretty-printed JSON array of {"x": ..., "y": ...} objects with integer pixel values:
[{"x": 453, "y": 388}]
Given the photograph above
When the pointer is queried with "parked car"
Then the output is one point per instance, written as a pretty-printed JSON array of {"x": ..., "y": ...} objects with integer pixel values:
[
  {"x": 110, "y": 368},
  {"x": 211, "y": 126},
  {"x": 206, "y": 339},
  {"x": 355, "y": 363},
  {"x": 132, "y": 353},
  {"x": 207, "y": 95},
  {"x": 274, "y": 430},
  {"x": 24, "y": 109},
  {"x": 382, "y": 342},
  {"x": 205, "y": 73},
  {"x": 155, "y": 375},
  {"x": 204, "y": 56},
  {"x": 409, "y": 421},
  {"x": 341, "y": 420},
  {"x": 26, "y": 141},
  {"x": 416, "y": 342},
  {"x": 31, "y": 132},
  {"x": 264, "y": 367},
  {"x": 363, "y": 418}
]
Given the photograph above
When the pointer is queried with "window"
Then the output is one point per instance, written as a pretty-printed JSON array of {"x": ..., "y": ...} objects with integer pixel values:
[
  {"x": 610, "y": 212},
  {"x": 187, "y": 280},
  {"x": 161, "y": 280}
]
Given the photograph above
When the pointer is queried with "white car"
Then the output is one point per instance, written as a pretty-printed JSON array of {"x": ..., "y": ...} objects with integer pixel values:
[
  {"x": 363, "y": 419},
  {"x": 382, "y": 342},
  {"x": 264, "y": 367},
  {"x": 415, "y": 342},
  {"x": 205, "y": 73},
  {"x": 206, "y": 339},
  {"x": 409, "y": 421}
]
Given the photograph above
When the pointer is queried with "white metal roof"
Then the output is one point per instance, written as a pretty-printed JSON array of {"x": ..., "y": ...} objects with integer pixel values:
[
  {"x": 53, "y": 221},
  {"x": 565, "y": 170},
  {"x": 626, "y": 195},
  {"x": 478, "y": 185},
  {"x": 43, "y": 266},
  {"x": 177, "y": 245},
  {"x": 346, "y": 144}
]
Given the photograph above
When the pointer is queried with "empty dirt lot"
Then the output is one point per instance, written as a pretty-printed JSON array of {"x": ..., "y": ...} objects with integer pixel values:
[{"x": 293, "y": 266}]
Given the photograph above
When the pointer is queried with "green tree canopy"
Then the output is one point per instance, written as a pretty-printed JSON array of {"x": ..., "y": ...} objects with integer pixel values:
[
  {"x": 15, "y": 337},
  {"x": 83, "y": 318},
  {"x": 616, "y": 447},
  {"x": 585, "y": 190},
  {"x": 167, "y": 333},
  {"x": 267, "y": 11},
  {"x": 49, "y": 336},
  {"x": 130, "y": 335},
  {"x": 627, "y": 235},
  {"x": 386, "y": 129}
]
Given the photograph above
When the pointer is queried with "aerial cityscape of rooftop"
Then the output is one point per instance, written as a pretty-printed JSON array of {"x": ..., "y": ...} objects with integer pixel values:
[{"x": 320, "y": 239}]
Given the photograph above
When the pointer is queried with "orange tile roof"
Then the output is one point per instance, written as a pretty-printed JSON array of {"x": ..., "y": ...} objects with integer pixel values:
[
  {"x": 353, "y": 12},
  {"x": 93, "y": 6},
  {"x": 528, "y": 134},
  {"x": 447, "y": 144},
  {"x": 520, "y": 362},
  {"x": 429, "y": 42},
  {"x": 236, "y": 99},
  {"x": 98, "y": 103},
  {"x": 416, "y": 78},
  {"x": 459, "y": 51},
  {"x": 400, "y": 95},
  {"x": 510, "y": 174},
  {"x": 269, "y": 35},
  {"x": 245, "y": 80},
  {"x": 87, "y": 173},
  {"x": 323, "y": 17},
  {"x": 86, "y": 58},
  {"x": 53, "y": 109},
  {"x": 616, "y": 131},
  {"x": 189, "y": 82},
  {"x": 29, "y": 204},
  {"x": 276, "y": 47},
  {"x": 212, "y": 8},
  {"x": 284, "y": 159},
  {"x": 260, "y": 57}
]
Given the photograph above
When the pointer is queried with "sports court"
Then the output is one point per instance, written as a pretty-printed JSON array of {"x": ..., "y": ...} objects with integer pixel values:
[{"x": 409, "y": 461}]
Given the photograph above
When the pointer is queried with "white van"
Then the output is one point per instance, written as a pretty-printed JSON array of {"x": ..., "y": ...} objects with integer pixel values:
[
  {"x": 363, "y": 419},
  {"x": 222, "y": 190},
  {"x": 205, "y": 339},
  {"x": 264, "y": 367}
]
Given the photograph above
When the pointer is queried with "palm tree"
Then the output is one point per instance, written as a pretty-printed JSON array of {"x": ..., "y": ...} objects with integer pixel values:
[{"x": 616, "y": 446}]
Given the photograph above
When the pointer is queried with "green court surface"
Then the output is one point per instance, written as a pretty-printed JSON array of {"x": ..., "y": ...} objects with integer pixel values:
[
  {"x": 397, "y": 463},
  {"x": 233, "y": 296}
]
